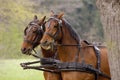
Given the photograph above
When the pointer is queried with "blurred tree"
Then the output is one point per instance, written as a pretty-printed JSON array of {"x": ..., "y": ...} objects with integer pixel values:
[{"x": 110, "y": 17}]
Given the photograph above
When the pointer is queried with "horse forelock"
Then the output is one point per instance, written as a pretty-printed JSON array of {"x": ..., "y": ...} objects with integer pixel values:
[{"x": 72, "y": 31}]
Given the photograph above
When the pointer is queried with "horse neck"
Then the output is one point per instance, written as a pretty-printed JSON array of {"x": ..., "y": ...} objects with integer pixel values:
[{"x": 67, "y": 53}]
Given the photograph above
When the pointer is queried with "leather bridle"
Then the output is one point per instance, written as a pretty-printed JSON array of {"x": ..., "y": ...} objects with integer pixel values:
[
  {"x": 59, "y": 29},
  {"x": 38, "y": 32}
]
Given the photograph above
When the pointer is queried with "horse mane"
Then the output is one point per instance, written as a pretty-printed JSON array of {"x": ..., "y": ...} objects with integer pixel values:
[{"x": 72, "y": 31}]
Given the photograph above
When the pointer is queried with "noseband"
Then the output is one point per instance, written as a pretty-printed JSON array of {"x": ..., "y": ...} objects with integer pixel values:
[{"x": 59, "y": 29}]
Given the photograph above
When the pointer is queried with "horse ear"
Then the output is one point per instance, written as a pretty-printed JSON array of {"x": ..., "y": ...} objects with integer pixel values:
[
  {"x": 52, "y": 13},
  {"x": 60, "y": 15},
  {"x": 35, "y": 17},
  {"x": 42, "y": 20}
]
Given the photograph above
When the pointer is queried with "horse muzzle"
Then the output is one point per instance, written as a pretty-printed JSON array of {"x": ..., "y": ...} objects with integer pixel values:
[{"x": 26, "y": 51}]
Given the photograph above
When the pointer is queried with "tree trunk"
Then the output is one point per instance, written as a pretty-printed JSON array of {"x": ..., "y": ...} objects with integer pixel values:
[{"x": 110, "y": 18}]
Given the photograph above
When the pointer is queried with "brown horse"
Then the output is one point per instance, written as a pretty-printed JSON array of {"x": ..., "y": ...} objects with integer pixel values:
[
  {"x": 32, "y": 36},
  {"x": 59, "y": 31}
]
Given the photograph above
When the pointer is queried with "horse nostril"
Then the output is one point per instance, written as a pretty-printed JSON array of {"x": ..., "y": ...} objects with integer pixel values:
[{"x": 23, "y": 49}]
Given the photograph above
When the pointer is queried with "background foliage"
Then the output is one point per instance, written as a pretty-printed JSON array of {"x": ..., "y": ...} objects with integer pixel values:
[{"x": 16, "y": 14}]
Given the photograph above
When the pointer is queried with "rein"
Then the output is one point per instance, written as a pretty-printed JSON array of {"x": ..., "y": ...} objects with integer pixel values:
[
  {"x": 35, "y": 55},
  {"x": 48, "y": 63},
  {"x": 58, "y": 66}
]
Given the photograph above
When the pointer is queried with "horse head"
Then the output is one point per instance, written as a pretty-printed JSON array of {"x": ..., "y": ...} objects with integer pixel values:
[
  {"x": 32, "y": 35},
  {"x": 53, "y": 31}
]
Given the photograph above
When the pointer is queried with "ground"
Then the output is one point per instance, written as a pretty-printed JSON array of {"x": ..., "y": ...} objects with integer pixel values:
[{"x": 11, "y": 70}]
